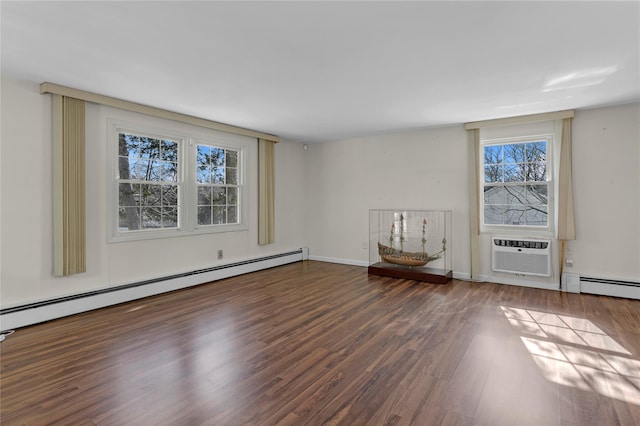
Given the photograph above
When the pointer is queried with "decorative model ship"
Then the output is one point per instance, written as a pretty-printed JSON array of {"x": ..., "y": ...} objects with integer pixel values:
[{"x": 396, "y": 256}]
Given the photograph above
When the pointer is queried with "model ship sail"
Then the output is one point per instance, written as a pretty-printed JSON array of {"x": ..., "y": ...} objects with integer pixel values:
[{"x": 390, "y": 254}]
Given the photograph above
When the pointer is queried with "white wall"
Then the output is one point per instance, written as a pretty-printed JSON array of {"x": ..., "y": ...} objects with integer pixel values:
[
  {"x": 413, "y": 171},
  {"x": 428, "y": 170},
  {"x": 606, "y": 171},
  {"x": 26, "y": 246},
  {"x": 323, "y": 196}
]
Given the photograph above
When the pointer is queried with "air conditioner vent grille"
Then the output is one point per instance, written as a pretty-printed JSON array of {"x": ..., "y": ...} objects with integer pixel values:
[
  {"x": 529, "y": 257},
  {"x": 541, "y": 245}
]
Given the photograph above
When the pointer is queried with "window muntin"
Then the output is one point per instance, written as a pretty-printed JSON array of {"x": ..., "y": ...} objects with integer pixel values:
[
  {"x": 516, "y": 183},
  {"x": 218, "y": 185},
  {"x": 156, "y": 179},
  {"x": 148, "y": 187}
]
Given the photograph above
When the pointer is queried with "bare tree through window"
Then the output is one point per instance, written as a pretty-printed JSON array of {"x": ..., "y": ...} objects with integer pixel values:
[
  {"x": 148, "y": 182},
  {"x": 516, "y": 184},
  {"x": 218, "y": 185}
]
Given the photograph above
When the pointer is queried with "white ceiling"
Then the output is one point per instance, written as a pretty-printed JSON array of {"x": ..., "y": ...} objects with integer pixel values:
[{"x": 318, "y": 71}]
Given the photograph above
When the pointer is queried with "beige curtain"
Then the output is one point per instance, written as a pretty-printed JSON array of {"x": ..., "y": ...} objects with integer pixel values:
[
  {"x": 566, "y": 224},
  {"x": 266, "y": 191},
  {"x": 69, "y": 255},
  {"x": 473, "y": 136}
]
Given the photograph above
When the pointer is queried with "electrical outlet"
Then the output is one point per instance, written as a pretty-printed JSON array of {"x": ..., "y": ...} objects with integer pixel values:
[{"x": 220, "y": 254}]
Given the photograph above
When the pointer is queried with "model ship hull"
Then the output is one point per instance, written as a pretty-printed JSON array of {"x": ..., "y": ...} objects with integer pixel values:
[{"x": 399, "y": 257}]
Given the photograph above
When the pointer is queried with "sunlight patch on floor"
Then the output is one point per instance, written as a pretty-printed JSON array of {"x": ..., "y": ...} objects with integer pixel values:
[{"x": 587, "y": 359}]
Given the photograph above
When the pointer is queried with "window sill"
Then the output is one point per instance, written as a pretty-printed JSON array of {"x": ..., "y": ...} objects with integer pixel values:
[{"x": 173, "y": 233}]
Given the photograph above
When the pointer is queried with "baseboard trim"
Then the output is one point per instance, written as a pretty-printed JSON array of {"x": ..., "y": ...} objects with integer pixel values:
[
  {"x": 46, "y": 310},
  {"x": 456, "y": 275},
  {"x": 341, "y": 261}
]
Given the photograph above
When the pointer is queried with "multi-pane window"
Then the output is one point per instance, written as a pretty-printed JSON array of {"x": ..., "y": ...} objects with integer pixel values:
[
  {"x": 218, "y": 184},
  {"x": 170, "y": 183},
  {"x": 516, "y": 183},
  {"x": 148, "y": 187}
]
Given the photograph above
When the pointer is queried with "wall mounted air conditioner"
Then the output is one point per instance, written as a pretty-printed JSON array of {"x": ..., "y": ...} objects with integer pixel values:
[{"x": 527, "y": 257}]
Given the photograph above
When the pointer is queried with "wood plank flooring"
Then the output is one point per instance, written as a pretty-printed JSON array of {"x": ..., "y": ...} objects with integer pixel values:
[{"x": 318, "y": 343}]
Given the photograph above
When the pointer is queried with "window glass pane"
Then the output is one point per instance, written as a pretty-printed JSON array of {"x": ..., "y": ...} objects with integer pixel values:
[
  {"x": 232, "y": 159},
  {"x": 493, "y": 154},
  {"x": 169, "y": 151},
  {"x": 232, "y": 176},
  {"x": 151, "y": 217},
  {"x": 514, "y": 153},
  {"x": 513, "y": 173},
  {"x": 537, "y": 172},
  {"x": 144, "y": 169},
  {"x": 203, "y": 174},
  {"x": 130, "y": 170},
  {"x": 151, "y": 195},
  {"x": 127, "y": 145},
  {"x": 515, "y": 194},
  {"x": 537, "y": 216},
  {"x": 169, "y": 171},
  {"x": 494, "y": 194},
  {"x": 217, "y": 157},
  {"x": 232, "y": 196},
  {"x": 217, "y": 175},
  {"x": 493, "y": 214},
  {"x": 169, "y": 217},
  {"x": 204, "y": 215},
  {"x": 204, "y": 195},
  {"x": 493, "y": 173},
  {"x": 128, "y": 218},
  {"x": 155, "y": 170},
  {"x": 128, "y": 194},
  {"x": 514, "y": 215},
  {"x": 203, "y": 155},
  {"x": 124, "y": 168},
  {"x": 219, "y": 196},
  {"x": 536, "y": 151},
  {"x": 149, "y": 148},
  {"x": 537, "y": 194},
  {"x": 169, "y": 195},
  {"x": 232, "y": 215},
  {"x": 507, "y": 200},
  {"x": 219, "y": 215}
]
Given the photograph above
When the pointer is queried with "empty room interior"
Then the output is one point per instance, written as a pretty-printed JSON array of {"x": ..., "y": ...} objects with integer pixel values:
[{"x": 320, "y": 212}]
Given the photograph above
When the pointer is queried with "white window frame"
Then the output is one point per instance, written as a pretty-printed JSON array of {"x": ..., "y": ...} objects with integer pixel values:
[
  {"x": 223, "y": 143},
  {"x": 187, "y": 187},
  {"x": 520, "y": 229}
]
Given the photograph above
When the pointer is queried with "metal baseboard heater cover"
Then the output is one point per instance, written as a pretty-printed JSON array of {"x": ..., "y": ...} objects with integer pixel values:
[
  {"x": 45, "y": 310},
  {"x": 521, "y": 256},
  {"x": 610, "y": 287}
]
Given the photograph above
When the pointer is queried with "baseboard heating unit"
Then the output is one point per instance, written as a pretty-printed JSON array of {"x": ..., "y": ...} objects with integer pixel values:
[
  {"x": 521, "y": 256},
  {"x": 606, "y": 287},
  {"x": 46, "y": 310}
]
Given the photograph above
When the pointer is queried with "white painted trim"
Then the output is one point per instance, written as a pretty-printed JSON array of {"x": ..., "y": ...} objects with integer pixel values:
[
  {"x": 56, "y": 89},
  {"x": 61, "y": 309},
  {"x": 546, "y": 116},
  {"x": 464, "y": 276},
  {"x": 341, "y": 261}
]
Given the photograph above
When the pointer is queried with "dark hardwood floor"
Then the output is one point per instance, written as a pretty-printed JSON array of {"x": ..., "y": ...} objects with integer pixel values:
[{"x": 319, "y": 343}]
